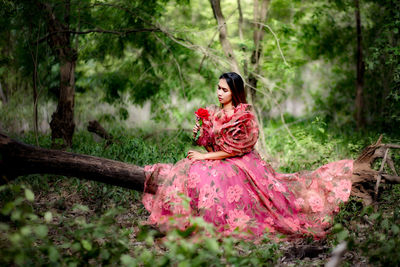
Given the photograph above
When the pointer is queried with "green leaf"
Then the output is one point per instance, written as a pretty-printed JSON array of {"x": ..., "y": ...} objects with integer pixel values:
[
  {"x": 86, "y": 245},
  {"x": 127, "y": 260},
  {"x": 48, "y": 217},
  {"x": 185, "y": 263},
  {"x": 16, "y": 215},
  {"x": 79, "y": 207},
  {"x": 76, "y": 246},
  {"x": 53, "y": 254},
  {"x": 104, "y": 254},
  {"x": 395, "y": 229},
  {"x": 342, "y": 235},
  {"x": 8, "y": 207},
  {"x": 41, "y": 230},
  {"x": 4, "y": 227},
  {"x": 65, "y": 245},
  {"x": 212, "y": 245},
  {"x": 15, "y": 238},
  {"x": 186, "y": 232},
  {"x": 26, "y": 230},
  {"x": 29, "y": 195}
]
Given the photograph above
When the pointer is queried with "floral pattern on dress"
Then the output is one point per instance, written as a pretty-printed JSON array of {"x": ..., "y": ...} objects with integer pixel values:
[
  {"x": 234, "y": 193},
  {"x": 243, "y": 193}
]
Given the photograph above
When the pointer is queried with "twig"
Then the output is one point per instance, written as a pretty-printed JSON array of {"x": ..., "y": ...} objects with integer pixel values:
[
  {"x": 390, "y": 145},
  {"x": 379, "y": 175},
  {"x": 337, "y": 254},
  {"x": 276, "y": 39},
  {"x": 391, "y": 164}
]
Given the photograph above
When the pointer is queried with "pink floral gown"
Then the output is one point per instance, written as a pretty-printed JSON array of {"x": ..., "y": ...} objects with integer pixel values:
[{"x": 243, "y": 195}]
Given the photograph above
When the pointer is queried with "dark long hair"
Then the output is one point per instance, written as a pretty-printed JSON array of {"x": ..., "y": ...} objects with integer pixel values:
[{"x": 236, "y": 85}]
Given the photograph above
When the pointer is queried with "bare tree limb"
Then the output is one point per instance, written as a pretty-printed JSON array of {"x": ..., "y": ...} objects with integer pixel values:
[
  {"x": 277, "y": 41},
  {"x": 95, "y": 127},
  {"x": 379, "y": 176},
  {"x": 390, "y": 145},
  {"x": 98, "y": 30}
]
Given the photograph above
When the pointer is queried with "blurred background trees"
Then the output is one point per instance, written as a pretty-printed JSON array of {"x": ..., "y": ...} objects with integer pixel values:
[
  {"x": 132, "y": 62},
  {"x": 141, "y": 67}
]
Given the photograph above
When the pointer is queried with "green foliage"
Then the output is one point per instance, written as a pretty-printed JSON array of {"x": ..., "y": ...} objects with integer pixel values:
[
  {"x": 311, "y": 142},
  {"x": 199, "y": 245},
  {"x": 26, "y": 236},
  {"x": 375, "y": 233},
  {"x": 329, "y": 34}
]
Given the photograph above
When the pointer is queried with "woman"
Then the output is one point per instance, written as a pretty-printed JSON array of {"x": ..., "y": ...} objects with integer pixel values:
[{"x": 231, "y": 187}]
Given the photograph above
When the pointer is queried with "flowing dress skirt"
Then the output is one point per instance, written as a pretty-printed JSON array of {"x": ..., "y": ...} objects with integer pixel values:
[{"x": 245, "y": 195}]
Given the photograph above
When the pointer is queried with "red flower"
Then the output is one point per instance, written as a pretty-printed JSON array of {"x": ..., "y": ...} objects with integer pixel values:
[{"x": 202, "y": 113}]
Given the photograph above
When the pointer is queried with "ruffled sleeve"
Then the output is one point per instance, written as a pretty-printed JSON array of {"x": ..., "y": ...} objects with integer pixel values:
[
  {"x": 206, "y": 137},
  {"x": 238, "y": 135}
]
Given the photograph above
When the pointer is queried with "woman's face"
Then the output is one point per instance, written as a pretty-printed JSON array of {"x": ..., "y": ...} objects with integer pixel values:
[{"x": 224, "y": 92}]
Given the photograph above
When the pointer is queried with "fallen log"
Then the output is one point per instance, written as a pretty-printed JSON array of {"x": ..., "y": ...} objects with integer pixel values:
[{"x": 18, "y": 159}]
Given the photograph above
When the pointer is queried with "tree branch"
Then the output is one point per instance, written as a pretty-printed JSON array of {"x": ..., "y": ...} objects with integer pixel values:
[
  {"x": 276, "y": 39},
  {"x": 120, "y": 32}
]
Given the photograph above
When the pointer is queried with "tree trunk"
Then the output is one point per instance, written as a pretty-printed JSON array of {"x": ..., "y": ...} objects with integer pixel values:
[
  {"x": 18, "y": 159},
  {"x": 240, "y": 24},
  {"x": 62, "y": 121},
  {"x": 260, "y": 15},
  {"x": 360, "y": 70},
  {"x": 62, "y": 124},
  {"x": 2, "y": 95},
  {"x": 223, "y": 35}
]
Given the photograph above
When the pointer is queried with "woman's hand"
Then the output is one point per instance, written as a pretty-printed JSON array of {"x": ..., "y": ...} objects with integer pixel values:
[
  {"x": 196, "y": 128},
  {"x": 196, "y": 155}
]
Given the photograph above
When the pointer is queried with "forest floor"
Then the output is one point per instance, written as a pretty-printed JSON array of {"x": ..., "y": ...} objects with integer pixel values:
[
  {"x": 63, "y": 195},
  {"x": 87, "y": 222},
  {"x": 295, "y": 253}
]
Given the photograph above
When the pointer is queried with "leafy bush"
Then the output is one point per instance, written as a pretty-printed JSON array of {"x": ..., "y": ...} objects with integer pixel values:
[{"x": 28, "y": 238}]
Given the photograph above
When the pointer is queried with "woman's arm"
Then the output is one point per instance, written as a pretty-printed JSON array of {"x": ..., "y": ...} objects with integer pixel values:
[{"x": 192, "y": 154}]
